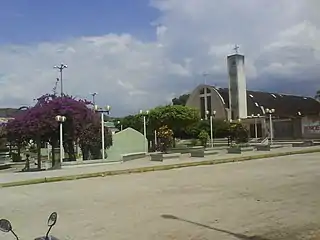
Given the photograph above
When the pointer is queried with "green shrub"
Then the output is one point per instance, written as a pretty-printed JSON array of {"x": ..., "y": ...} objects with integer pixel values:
[{"x": 203, "y": 137}]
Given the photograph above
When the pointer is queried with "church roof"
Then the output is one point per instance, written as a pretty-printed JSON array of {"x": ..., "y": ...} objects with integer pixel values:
[{"x": 284, "y": 105}]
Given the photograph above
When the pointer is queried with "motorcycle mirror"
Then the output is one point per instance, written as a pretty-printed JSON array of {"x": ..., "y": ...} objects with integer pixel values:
[
  {"x": 5, "y": 225},
  {"x": 52, "y": 219}
]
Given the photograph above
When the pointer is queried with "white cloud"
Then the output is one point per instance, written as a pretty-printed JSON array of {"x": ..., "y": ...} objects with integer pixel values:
[{"x": 279, "y": 38}]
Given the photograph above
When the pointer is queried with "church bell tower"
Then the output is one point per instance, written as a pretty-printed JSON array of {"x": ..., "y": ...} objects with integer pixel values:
[{"x": 237, "y": 86}]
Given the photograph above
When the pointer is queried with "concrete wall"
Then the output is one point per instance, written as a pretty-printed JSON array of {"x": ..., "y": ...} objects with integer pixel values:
[
  {"x": 310, "y": 127},
  {"x": 126, "y": 141}
]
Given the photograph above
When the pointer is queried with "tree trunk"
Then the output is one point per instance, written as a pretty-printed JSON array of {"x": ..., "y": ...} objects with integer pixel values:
[
  {"x": 19, "y": 151},
  {"x": 39, "y": 152},
  {"x": 95, "y": 152},
  {"x": 71, "y": 152},
  {"x": 85, "y": 152},
  {"x": 53, "y": 155}
]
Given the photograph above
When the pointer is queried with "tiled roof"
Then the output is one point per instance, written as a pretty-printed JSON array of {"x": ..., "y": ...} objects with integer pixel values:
[{"x": 284, "y": 105}]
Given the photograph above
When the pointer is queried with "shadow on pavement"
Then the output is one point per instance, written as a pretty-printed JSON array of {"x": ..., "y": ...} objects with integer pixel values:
[{"x": 237, "y": 235}]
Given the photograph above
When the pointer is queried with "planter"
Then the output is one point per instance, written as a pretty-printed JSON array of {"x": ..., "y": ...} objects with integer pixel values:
[
  {"x": 236, "y": 150},
  {"x": 197, "y": 152}
]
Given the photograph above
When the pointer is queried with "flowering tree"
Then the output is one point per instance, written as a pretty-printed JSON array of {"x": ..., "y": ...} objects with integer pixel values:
[
  {"x": 39, "y": 124},
  {"x": 90, "y": 139},
  {"x": 165, "y": 136}
]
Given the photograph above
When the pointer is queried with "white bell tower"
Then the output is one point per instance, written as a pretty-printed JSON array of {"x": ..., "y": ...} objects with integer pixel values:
[{"x": 237, "y": 86}]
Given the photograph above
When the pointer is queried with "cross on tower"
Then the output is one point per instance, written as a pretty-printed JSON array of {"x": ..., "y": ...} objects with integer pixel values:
[{"x": 236, "y": 48}]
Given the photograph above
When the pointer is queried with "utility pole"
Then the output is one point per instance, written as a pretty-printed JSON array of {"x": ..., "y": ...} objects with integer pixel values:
[
  {"x": 61, "y": 67},
  {"x": 93, "y": 98}
]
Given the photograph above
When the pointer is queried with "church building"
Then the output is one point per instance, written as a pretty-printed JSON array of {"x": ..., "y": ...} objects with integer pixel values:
[{"x": 292, "y": 117}]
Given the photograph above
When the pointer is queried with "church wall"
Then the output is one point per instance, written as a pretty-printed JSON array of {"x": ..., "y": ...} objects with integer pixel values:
[
  {"x": 214, "y": 103},
  {"x": 283, "y": 129},
  {"x": 310, "y": 127}
]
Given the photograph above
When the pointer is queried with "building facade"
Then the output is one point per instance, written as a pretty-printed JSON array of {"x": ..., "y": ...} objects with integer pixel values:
[{"x": 294, "y": 117}]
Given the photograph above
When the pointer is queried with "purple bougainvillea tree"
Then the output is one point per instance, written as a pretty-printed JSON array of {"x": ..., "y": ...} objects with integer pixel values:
[{"x": 38, "y": 123}]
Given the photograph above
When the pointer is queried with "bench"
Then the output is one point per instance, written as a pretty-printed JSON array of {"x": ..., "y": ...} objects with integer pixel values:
[
  {"x": 185, "y": 149},
  {"x": 238, "y": 150},
  {"x": 307, "y": 143},
  {"x": 263, "y": 147},
  {"x": 132, "y": 156},
  {"x": 210, "y": 152},
  {"x": 160, "y": 157},
  {"x": 5, "y": 166}
]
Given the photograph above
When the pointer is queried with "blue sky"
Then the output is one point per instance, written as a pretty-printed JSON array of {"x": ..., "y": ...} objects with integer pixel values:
[
  {"x": 114, "y": 48},
  {"x": 29, "y": 21}
]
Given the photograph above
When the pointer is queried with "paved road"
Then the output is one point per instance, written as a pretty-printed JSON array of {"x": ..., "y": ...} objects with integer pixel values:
[{"x": 257, "y": 200}]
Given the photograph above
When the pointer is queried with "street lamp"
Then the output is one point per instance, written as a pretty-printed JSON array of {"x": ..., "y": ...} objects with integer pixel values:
[
  {"x": 211, "y": 125},
  {"x": 270, "y": 112},
  {"x": 102, "y": 111},
  {"x": 255, "y": 124},
  {"x": 119, "y": 123},
  {"x": 145, "y": 128},
  {"x": 61, "y": 67},
  {"x": 93, "y": 98},
  {"x": 61, "y": 120}
]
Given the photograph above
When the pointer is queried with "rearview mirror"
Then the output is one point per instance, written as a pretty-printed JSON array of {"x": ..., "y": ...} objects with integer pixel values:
[
  {"x": 52, "y": 219},
  {"x": 5, "y": 225}
]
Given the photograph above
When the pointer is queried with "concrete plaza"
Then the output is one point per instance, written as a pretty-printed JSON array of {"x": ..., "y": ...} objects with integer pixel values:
[{"x": 268, "y": 199}]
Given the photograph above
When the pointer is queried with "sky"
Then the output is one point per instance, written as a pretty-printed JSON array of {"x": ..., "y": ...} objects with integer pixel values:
[{"x": 137, "y": 54}]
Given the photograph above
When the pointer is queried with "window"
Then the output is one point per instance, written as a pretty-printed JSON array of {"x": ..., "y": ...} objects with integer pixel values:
[
  {"x": 202, "y": 111},
  {"x": 209, "y": 104}
]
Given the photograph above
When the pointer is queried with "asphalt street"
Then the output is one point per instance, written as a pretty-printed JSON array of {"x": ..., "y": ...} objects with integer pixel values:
[{"x": 267, "y": 199}]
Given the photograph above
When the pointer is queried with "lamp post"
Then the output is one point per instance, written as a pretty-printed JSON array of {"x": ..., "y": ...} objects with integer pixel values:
[
  {"x": 60, "y": 68},
  {"x": 61, "y": 120},
  {"x": 119, "y": 123},
  {"x": 93, "y": 98},
  {"x": 255, "y": 124},
  {"x": 211, "y": 125},
  {"x": 102, "y": 111},
  {"x": 270, "y": 112},
  {"x": 145, "y": 128}
]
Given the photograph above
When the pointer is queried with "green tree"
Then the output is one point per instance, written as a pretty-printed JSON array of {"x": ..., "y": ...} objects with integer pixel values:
[
  {"x": 203, "y": 137},
  {"x": 176, "y": 117},
  {"x": 133, "y": 121},
  {"x": 220, "y": 128},
  {"x": 181, "y": 100},
  {"x": 238, "y": 133}
]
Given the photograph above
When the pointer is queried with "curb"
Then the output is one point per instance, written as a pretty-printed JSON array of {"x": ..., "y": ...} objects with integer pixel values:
[{"x": 153, "y": 168}]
